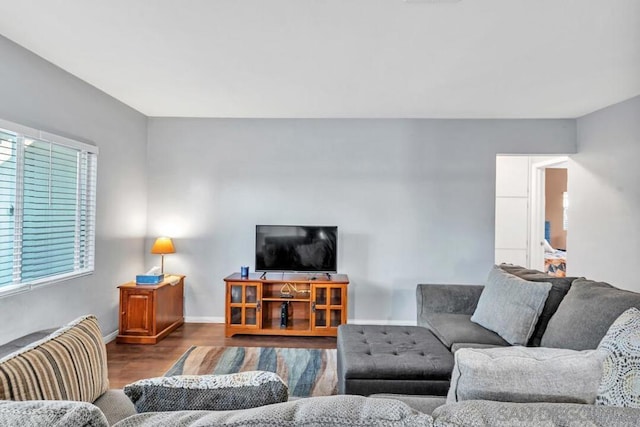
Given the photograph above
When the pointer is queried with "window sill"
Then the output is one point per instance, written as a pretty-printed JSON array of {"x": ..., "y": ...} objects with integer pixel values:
[{"x": 9, "y": 290}]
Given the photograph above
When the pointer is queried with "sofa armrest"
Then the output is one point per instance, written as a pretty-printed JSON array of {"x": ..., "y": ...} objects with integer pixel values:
[
  {"x": 454, "y": 299},
  {"x": 52, "y": 413}
]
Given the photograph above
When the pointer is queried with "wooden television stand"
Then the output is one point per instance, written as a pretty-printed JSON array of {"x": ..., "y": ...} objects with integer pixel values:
[{"x": 315, "y": 304}]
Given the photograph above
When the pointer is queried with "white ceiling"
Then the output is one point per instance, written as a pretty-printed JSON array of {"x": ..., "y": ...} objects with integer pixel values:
[{"x": 342, "y": 58}]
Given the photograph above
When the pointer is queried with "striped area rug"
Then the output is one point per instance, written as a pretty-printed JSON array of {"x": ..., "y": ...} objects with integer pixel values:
[{"x": 307, "y": 372}]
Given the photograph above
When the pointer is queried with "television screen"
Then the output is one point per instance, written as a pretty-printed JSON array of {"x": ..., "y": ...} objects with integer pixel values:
[{"x": 298, "y": 248}]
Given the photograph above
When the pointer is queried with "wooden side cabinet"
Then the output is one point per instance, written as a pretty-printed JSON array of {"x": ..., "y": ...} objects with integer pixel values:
[
  {"x": 148, "y": 313},
  {"x": 315, "y": 304}
]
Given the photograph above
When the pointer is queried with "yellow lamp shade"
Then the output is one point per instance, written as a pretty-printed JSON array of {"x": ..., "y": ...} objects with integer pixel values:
[{"x": 163, "y": 245}]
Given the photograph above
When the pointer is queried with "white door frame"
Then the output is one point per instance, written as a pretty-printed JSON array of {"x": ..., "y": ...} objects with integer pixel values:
[{"x": 537, "y": 212}]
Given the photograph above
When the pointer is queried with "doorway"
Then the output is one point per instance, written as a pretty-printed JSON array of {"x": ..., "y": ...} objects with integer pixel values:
[
  {"x": 549, "y": 219},
  {"x": 529, "y": 192}
]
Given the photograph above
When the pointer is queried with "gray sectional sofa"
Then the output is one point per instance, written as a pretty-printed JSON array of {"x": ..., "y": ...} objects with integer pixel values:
[
  {"x": 418, "y": 360},
  {"x": 414, "y": 364}
]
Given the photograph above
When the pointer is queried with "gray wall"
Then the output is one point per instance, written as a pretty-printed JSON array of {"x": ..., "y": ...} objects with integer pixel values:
[
  {"x": 35, "y": 93},
  {"x": 413, "y": 199},
  {"x": 603, "y": 237}
]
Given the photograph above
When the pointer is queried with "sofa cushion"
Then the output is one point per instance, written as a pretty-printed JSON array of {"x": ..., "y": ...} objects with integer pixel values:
[
  {"x": 452, "y": 328},
  {"x": 510, "y": 306},
  {"x": 559, "y": 288},
  {"x": 586, "y": 313},
  {"x": 51, "y": 414},
  {"x": 457, "y": 346},
  {"x": 19, "y": 343},
  {"x": 70, "y": 364},
  {"x": 485, "y": 413},
  {"x": 620, "y": 384},
  {"x": 115, "y": 405},
  {"x": 424, "y": 404},
  {"x": 343, "y": 410},
  {"x": 526, "y": 374},
  {"x": 241, "y": 390}
]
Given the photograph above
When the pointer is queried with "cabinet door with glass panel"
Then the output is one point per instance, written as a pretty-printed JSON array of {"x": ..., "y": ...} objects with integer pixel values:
[
  {"x": 328, "y": 307},
  {"x": 243, "y": 305}
]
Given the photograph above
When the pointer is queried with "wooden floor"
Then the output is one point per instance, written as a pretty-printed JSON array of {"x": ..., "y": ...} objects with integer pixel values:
[{"x": 131, "y": 362}]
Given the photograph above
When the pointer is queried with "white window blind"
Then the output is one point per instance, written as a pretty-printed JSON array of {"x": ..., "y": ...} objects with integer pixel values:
[{"x": 47, "y": 207}]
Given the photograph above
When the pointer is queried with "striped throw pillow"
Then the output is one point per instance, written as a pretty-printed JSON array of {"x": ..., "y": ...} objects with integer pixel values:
[{"x": 69, "y": 364}]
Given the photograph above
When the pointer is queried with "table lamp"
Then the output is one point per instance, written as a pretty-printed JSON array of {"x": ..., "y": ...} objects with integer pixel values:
[{"x": 163, "y": 246}]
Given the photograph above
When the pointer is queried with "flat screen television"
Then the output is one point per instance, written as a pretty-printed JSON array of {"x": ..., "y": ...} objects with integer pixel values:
[{"x": 297, "y": 248}]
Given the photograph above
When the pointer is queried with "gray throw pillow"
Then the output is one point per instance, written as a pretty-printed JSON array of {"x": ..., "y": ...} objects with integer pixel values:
[
  {"x": 207, "y": 392},
  {"x": 526, "y": 374},
  {"x": 510, "y": 306},
  {"x": 620, "y": 385},
  {"x": 586, "y": 313},
  {"x": 559, "y": 288}
]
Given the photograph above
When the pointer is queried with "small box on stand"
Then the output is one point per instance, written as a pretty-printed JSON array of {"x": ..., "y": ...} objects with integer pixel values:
[{"x": 149, "y": 279}]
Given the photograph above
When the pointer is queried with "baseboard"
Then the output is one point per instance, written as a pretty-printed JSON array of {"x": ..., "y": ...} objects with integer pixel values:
[
  {"x": 216, "y": 319},
  {"x": 203, "y": 319},
  {"x": 188, "y": 319},
  {"x": 382, "y": 322},
  {"x": 110, "y": 337}
]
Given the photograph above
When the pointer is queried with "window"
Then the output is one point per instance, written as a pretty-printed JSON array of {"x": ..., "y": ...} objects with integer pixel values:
[{"x": 47, "y": 207}]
